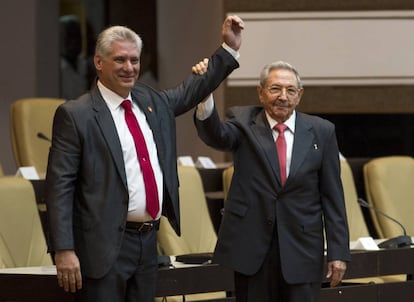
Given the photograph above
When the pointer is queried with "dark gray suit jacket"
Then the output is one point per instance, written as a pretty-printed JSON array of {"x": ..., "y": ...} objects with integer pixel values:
[
  {"x": 256, "y": 201},
  {"x": 86, "y": 189}
]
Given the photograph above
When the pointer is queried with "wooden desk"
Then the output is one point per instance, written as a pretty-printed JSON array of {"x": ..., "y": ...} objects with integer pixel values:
[
  {"x": 43, "y": 288},
  {"x": 191, "y": 280},
  {"x": 381, "y": 263},
  {"x": 19, "y": 287},
  {"x": 373, "y": 264}
]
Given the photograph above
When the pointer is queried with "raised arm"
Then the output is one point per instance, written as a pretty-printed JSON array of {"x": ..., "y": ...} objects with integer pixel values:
[{"x": 231, "y": 31}]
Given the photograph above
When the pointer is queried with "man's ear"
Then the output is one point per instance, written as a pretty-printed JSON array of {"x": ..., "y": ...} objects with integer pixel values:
[
  {"x": 97, "y": 60},
  {"x": 260, "y": 92},
  {"x": 302, "y": 90}
]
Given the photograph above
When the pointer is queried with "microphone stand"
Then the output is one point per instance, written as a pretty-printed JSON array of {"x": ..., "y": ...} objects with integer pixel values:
[
  {"x": 41, "y": 135},
  {"x": 396, "y": 242}
]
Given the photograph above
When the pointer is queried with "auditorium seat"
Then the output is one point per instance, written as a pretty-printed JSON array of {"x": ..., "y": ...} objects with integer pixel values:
[
  {"x": 356, "y": 221},
  {"x": 227, "y": 176},
  {"x": 390, "y": 189},
  {"x": 31, "y": 122},
  {"x": 22, "y": 241}
]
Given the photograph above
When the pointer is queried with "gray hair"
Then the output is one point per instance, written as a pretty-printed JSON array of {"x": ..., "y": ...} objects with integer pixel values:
[
  {"x": 116, "y": 33},
  {"x": 278, "y": 65}
]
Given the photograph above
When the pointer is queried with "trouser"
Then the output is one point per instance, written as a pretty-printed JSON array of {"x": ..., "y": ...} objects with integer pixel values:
[{"x": 133, "y": 276}]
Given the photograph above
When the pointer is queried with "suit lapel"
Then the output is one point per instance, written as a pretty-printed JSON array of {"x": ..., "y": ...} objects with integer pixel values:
[
  {"x": 261, "y": 130},
  {"x": 106, "y": 124},
  {"x": 143, "y": 100},
  {"x": 302, "y": 142}
]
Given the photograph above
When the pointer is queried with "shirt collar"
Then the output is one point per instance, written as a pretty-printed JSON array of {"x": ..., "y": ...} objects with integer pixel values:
[
  {"x": 290, "y": 122},
  {"x": 112, "y": 99}
]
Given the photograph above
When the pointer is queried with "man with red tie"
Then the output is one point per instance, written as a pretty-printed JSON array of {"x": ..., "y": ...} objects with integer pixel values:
[
  {"x": 112, "y": 169},
  {"x": 285, "y": 193}
]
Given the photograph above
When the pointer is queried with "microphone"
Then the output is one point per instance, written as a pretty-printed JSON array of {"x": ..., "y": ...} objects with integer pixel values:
[
  {"x": 396, "y": 242},
  {"x": 43, "y": 136}
]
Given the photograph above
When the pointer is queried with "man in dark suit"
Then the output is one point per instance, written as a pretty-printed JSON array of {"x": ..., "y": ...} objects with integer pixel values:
[
  {"x": 101, "y": 230},
  {"x": 272, "y": 233}
]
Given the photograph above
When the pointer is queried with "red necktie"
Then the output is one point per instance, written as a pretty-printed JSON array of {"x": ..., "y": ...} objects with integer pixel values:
[
  {"x": 281, "y": 150},
  {"x": 151, "y": 191}
]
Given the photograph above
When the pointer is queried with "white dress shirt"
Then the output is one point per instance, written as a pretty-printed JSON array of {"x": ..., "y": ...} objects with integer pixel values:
[
  {"x": 135, "y": 180},
  {"x": 136, "y": 188},
  {"x": 289, "y": 136}
]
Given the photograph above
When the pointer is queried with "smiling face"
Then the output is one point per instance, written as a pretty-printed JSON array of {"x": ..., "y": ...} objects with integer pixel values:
[
  {"x": 119, "y": 69},
  {"x": 280, "y": 94}
]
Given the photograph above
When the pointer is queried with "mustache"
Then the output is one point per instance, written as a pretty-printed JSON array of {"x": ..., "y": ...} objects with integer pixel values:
[{"x": 281, "y": 104}]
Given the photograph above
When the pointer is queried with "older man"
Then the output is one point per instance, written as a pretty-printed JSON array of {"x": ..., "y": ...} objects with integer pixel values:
[{"x": 285, "y": 192}]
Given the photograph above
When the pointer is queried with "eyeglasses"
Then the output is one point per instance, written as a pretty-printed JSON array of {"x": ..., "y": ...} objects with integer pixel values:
[{"x": 278, "y": 90}]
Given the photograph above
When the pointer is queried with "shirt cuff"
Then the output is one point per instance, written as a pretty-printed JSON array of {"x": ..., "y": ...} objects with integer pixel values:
[
  {"x": 205, "y": 108},
  {"x": 234, "y": 53}
]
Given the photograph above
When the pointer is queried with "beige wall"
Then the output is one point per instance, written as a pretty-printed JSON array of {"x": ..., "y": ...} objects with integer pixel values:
[{"x": 372, "y": 97}]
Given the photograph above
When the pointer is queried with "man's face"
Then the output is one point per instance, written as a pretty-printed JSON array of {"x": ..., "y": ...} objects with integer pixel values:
[
  {"x": 280, "y": 95},
  {"x": 119, "y": 70}
]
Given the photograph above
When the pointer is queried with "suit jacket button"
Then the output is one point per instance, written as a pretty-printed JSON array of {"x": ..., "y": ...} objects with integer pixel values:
[{"x": 270, "y": 222}]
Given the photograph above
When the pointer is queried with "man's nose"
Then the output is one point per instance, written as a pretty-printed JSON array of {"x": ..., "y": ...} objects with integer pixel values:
[
  {"x": 283, "y": 94},
  {"x": 127, "y": 65}
]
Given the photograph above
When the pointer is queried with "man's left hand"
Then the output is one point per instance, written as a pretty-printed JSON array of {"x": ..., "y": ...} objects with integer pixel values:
[
  {"x": 336, "y": 271},
  {"x": 201, "y": 67}
]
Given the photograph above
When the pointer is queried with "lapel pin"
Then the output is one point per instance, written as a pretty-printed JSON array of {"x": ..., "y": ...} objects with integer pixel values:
[
  {"x": 149, "y": 108},
  {"x": 315, "y": 146}
]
